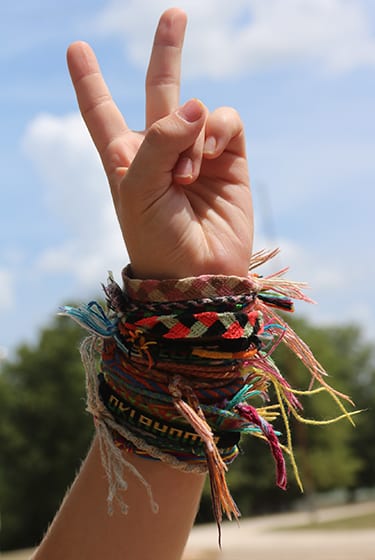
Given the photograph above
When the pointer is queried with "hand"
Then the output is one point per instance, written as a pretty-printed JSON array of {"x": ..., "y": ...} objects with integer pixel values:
[{"x": 181, "y": 187}]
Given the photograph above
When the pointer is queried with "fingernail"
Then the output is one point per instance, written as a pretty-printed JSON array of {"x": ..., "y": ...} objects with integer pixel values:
[
  {"x": 191, "y": 111},
  {"x": 210, "y": 145},
  {"x": 184, "y": 168}
]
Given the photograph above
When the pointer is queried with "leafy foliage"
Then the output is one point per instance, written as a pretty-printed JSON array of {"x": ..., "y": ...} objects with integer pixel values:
[
  {"x": 328, "y": 457},
  {"x": 45, "y": 433}
]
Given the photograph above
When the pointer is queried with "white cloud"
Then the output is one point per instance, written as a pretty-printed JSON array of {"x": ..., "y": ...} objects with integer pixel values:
[
  {"x": 226, "y": 38},
  {"x": 331, "y": 283},
  {"x": 64, "y": 156},
  {"x": 302, "y": 265},
  {"x": 291, "y": 171},
  {"x": 76, "y": 192},
  {"x": 6, "y": 289}
]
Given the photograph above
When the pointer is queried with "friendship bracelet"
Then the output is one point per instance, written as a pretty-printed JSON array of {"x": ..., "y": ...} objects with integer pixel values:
[
  {"x": 126, "y": 413},
  {"x": 176, "y": 370}
]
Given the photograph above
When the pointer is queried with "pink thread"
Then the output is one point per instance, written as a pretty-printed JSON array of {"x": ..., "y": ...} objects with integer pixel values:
[{"x": 249, "y": 413}]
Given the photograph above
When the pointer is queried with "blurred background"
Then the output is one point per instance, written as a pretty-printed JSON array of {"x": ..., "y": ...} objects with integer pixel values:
[{"x": 301, "y": 74}]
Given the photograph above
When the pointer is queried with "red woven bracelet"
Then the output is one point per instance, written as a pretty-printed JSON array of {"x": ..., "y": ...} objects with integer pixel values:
[{"x": 190, "y": 356}]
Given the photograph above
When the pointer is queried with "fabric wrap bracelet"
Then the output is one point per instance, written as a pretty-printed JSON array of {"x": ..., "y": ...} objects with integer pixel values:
[{"x": 179, "y": 370}]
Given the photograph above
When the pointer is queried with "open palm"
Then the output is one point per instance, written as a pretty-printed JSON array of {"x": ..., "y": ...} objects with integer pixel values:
[{"x": 181, "y": 188}]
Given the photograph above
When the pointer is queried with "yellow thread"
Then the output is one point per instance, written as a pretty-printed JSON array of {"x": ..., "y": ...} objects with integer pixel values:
[
  {"x": 268, "y": 413},
  {"x": 288, "y": 434},
  {"x": 327, "y": 389},
  {"x": 308, "y": 392},
  {"x": 281, "y": 391},
  {"x": 324, "y": 422},
  {"x": 342, "y": 407},
  {"x": 137, "y": 338}
]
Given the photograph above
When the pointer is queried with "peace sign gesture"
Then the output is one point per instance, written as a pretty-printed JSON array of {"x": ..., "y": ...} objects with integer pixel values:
[{"x": 181, "y": 187}]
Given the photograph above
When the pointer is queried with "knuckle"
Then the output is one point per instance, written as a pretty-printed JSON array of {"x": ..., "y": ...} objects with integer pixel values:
[
  {"x": 230, "y": 114},
  {"x": 155, "y": 132},
  {"x": 225, "y": 117}
]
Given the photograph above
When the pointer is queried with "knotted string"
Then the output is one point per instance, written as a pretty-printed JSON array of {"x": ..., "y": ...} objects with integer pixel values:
[{"x": 186, "y": 357}]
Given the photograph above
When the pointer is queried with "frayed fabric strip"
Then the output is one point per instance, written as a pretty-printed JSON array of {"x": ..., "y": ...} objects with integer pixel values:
[{"x": 175, "y": 368}]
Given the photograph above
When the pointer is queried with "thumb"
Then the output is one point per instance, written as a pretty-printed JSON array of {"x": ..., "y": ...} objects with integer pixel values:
[{"x": 168, "y": 141}]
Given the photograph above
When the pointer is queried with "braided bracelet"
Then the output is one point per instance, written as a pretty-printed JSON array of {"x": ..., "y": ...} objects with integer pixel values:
[{"x": 175, "y": 368}]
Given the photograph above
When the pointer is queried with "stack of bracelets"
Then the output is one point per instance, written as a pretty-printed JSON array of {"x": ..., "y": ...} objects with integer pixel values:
[{"x": 174, "y": 368}]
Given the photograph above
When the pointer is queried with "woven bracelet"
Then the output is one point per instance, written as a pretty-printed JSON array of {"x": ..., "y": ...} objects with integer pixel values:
[{"x": 176, "y": 370}]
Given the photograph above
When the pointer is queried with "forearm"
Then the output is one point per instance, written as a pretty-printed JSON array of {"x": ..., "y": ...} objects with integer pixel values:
[
  {"x": 84, "y": 529},
  {"x": 169, "y": 232}
]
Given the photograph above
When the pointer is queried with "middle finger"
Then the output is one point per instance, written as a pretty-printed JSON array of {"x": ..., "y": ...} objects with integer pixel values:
[{"x": 163, "y": 74}]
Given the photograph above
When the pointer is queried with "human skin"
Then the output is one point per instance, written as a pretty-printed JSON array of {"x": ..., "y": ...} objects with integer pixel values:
[
  {"x": 181, "y": 187},
  {"x": 182, "y": 197}
]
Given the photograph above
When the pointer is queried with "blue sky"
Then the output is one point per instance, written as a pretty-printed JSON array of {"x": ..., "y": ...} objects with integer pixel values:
[{"x": 301, "y": 74}]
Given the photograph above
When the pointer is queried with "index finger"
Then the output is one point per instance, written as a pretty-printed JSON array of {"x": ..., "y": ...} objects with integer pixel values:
[
  {"x": 163, "y": 74},
  {"x": 102, "y": 116}
]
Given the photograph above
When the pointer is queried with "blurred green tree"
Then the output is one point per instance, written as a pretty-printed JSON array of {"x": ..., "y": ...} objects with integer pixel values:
[
  {"x": 359, "y": 377},
  {"x": 44, "y": 431},
  {"x": 328, "y": 457}
]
